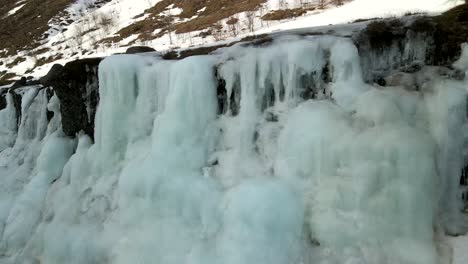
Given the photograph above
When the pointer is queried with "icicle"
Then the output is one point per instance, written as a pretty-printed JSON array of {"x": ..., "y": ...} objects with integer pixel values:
[{"x": 8, "y": 124}]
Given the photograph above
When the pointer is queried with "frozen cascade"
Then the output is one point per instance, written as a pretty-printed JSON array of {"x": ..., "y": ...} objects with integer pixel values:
[
  {"x": 269, "y": 155},
  {"x": 8, "y": 124}
]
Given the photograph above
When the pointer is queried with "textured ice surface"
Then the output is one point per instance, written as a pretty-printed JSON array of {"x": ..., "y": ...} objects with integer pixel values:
[
  {"x": 356, "y": 174},
  {"x": 8, "y": 124}
]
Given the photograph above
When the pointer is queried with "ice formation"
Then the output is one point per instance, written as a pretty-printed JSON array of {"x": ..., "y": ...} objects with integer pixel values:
[{"x": 267, "y": 155}]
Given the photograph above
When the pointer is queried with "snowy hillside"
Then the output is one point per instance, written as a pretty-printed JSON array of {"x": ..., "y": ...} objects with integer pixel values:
[{"x": 90, "y": 28}]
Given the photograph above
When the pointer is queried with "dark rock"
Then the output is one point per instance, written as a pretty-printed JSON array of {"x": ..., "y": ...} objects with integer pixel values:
[
  {"x": 412, "y": 68},
  {"x": 171, "y": 55},
  {"x": 235, "y": 99},
  {"x": 225, "y": 102},
  {"x": 271, "y": 117},
  {"x": 33, "y": 82},
  {"x": 17, "y": 103},
  {"x": 76, "y": 85},
  {"x": 380, "y": 80},
  {"x": 54, "y": 73},
  {"x": 326, "y": 75},
  {"x": 423, "y": 25},
  {"x": 3, "y": 101},
  {"x": 49, "y": 93},
  {"x": 458, "y": 75},
  {"x": 398, "y": 45},
  {"x": 255, "y": 41},
  {"x": 139, "y": 49},
  {"x": 221, "y": 94},
  {"x": 464, "y": 177},
  {"x": 20, "y": 83},
  {"x": 380, "y": 35},
  {"x": 450, "y": 32},
  {"x": 450, "y": 73}
]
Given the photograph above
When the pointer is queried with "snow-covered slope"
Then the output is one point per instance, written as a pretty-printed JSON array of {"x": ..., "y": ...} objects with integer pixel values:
[
  {"x": 366, "y": 9},
  {"x": 94, "y": 27}
]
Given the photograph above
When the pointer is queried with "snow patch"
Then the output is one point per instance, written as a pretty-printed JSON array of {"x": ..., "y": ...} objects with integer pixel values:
[{"x": 14, "y": 10}]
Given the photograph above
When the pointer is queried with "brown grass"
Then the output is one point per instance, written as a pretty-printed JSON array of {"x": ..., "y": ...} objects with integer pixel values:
[
  {"x": 285, "y": 13},
  {"x": 215, "y": 11},
  {"x": 17, "y": 61},
  {"x": 45, "y": 60},
  {"x": 7, "y": 78},
  {"x": 23, "y": 29}
]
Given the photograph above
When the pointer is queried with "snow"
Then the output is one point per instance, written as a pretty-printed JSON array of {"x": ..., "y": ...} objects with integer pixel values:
[
  {"x": 361, "y": 174},
  {"x": 364, "y": 9},
  {"x": 460, "y": 244},
  {"x": 14, "y": 10}
]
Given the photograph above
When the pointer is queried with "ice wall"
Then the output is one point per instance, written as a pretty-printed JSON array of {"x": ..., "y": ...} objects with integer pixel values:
[{"x": 268, "y": 155}]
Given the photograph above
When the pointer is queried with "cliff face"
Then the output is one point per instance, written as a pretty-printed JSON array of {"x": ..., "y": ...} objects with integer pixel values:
[
  {"x": 304, "y": 142},
  {"x": 393, "y": 44},
  {"x": 76, "y": 85}
]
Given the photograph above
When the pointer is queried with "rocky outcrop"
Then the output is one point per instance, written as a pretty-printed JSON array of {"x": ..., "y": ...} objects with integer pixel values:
[
  {"x": 3, "y": 101},
  {"x": 139, "y": 49},
  {"x": 76, "y": 85},
  {"x": 400, "y": 44}
]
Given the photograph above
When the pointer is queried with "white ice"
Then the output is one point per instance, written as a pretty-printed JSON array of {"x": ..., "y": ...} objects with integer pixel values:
[{"x": 360, "y": 174}]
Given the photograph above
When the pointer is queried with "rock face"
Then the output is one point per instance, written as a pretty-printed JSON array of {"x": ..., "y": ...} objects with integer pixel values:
[
  {"x": 139, "y": 49},
  {"x": 76, "y": 85},
  {"x": 400, "y": 44},
  {"x": 3, "y": 102}
]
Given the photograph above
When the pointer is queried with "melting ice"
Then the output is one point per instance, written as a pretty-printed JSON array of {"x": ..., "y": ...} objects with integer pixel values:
[{"x": 265, "y": 155}]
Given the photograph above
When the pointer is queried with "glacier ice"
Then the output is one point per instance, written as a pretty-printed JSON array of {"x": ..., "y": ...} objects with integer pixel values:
[{"x": 277, "y": 155}]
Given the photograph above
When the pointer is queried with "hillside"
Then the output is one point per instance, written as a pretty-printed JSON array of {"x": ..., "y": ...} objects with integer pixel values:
[{"x": 35, "y": 34}]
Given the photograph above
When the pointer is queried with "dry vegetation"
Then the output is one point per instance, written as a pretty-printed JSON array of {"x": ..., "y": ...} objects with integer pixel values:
[
  {"x": 285, "y": 13},
  {"x": 23, "y": 29},
  {"x": 215, "y": 10},
  {"x": 6, "y": 78},
  {"x": 207, "y": 14}
]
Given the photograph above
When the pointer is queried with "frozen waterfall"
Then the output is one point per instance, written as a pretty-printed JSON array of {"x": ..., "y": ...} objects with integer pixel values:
[{"x": 279, "y": 154}]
